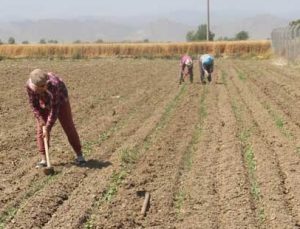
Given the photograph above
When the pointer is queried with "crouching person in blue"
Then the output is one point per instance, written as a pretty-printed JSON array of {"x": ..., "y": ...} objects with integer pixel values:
[{"x": 206, "y": 65}]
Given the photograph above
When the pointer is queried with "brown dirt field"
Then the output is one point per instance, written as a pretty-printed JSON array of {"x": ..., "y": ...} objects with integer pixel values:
[{"x": 221, "y": 155}]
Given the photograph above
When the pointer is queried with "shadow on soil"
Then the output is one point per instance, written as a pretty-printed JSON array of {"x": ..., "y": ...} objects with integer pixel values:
[
  {"x": 91, "y": 164},
  {"x": 95, "y": 164}
]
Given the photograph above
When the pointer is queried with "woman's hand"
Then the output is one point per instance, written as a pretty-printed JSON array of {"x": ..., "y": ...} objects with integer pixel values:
[{"x": 42, "y": 122}]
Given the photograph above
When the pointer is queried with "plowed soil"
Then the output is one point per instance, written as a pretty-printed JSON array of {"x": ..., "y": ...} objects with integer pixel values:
[{"x": 220, "y": 155}]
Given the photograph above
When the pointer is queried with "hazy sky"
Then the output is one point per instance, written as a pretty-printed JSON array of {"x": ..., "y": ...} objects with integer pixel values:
[{"x": 36, "y": 9}]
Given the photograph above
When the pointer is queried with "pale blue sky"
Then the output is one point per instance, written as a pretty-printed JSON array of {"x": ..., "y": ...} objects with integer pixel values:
[{"x": 37, "y": 9}]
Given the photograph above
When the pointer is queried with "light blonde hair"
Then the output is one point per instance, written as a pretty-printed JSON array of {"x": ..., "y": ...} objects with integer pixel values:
[{"x": 38, "y": 77}]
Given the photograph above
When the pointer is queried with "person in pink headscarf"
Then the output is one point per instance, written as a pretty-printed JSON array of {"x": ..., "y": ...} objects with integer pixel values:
[
  {"x": 186, "y": 68},
  {"x": 48, "y": 97}
]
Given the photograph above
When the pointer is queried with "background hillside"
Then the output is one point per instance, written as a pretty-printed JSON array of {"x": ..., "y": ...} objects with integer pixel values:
[{"x": 168, "y": 27}]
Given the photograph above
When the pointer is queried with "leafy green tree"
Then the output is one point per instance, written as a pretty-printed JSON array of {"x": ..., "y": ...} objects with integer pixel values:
[
  {"x": 293, "y": 23},
  {"x": 25, "y": 42},
  {"x": 1, "y": 43},
  {"x": 242, "y": 35},
  {"x": 77, "y": 42},
  {"x": 190, "y": 36},
  {"x": 52, "y": 41},
  {"x": 99, "y": 41},
  {"x": 200, "y": 34},
  {"x": 11, "y": 41},
  {"x": 42, "y": 41}
]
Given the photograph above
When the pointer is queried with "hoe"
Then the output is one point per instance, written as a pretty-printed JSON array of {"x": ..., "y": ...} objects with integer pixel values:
[{"x": 48, "y": 170}]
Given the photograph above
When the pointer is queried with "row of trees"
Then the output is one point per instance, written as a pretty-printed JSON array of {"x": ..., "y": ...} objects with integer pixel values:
[
  {"x": 198, "y": 35},
  {"x": 201, "y": 35},
  {"x": 11, "y": 40}
]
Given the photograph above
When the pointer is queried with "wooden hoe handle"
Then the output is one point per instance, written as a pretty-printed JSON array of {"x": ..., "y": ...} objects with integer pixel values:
[{"x": 46, "y": 147}]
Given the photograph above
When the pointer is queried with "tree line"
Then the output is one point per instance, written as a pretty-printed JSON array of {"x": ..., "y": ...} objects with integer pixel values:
[
  {"x": 201, "y": 35},
  {"x": 11, "y": 41}
]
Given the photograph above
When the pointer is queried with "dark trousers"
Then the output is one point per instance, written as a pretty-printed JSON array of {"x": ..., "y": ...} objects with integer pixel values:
[
  {"x": 183, "y": 73},
  {"x": 66, "y": 121},
  {"x": 202, "y": 75},
  {"x": 208, "y": 68}
]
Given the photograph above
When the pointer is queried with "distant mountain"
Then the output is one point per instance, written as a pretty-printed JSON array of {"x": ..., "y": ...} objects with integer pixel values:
[
  {"x": 258, "y": 27},
  {"x": 229, "y": 23},
  {"x": 91, "y": 30},
  {"x": 172, "y": 27},
  {"x": 161, "y": 30},
  {"x": 64, "y": 30}
]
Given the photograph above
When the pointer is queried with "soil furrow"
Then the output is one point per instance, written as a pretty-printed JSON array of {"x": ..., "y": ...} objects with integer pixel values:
[
  {"x": 17, "y": 187},
  {"x": 37, "y": 211},
  {"x": 197, "y": 199},
  {"x": 86, "y": 197},
  {"x": 267, "y": 159},
  {"x": 232, "y": 177},
  {"x": 267, "y": 84},
  {"x": 145, "y": 98},
  {"x": 217, "y": 186},
  {"x": 155, "y": 172}
]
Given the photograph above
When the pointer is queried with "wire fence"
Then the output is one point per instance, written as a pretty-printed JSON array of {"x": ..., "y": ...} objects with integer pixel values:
[{"x": 286, "y": 42}]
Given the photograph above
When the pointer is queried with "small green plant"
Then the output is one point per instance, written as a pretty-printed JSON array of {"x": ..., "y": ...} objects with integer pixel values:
[
  {"x": 88, "y": 148},
  {"x": 298, "y": 150},
  {"x": 242, "y": 76},
  {"x": 170, "y": 107},
  {"x": 236, "y": 110},
  {"x": 89, "y": 224},
  {"x": 255, "y": 191},
  {"x": 224, "y": 76},
  {"x": 250, "y": 159},
  {"x": 262, "y": 215},
  {"x": 279, "y": 122},
  {"x": 128, "y": 156},
  {"x": 244, "y": 135},
  {"x": 147, "y": 143},
  {"x": 7, "y": 216},
  {"x": 116, "y": 181},
  {"x": 104, "y": 136},
  {"x": 179, "y": 200}
]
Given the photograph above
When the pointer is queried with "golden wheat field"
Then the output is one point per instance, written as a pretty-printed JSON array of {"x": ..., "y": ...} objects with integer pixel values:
[{"x": 78, "y": 51}]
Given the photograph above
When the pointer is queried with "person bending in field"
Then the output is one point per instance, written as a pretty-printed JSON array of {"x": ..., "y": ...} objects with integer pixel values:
[
  {"x": 186, "y": 68},
  {"x": 48, "y": 97},
  {"x": 206, "y": 65}
]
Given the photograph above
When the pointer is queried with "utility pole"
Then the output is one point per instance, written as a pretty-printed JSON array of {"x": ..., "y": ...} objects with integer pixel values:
[{"x": 208, "y": 21}]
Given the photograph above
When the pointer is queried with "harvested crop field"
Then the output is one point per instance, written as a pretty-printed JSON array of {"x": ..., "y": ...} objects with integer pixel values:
[{"x": 221, "y": 155}]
